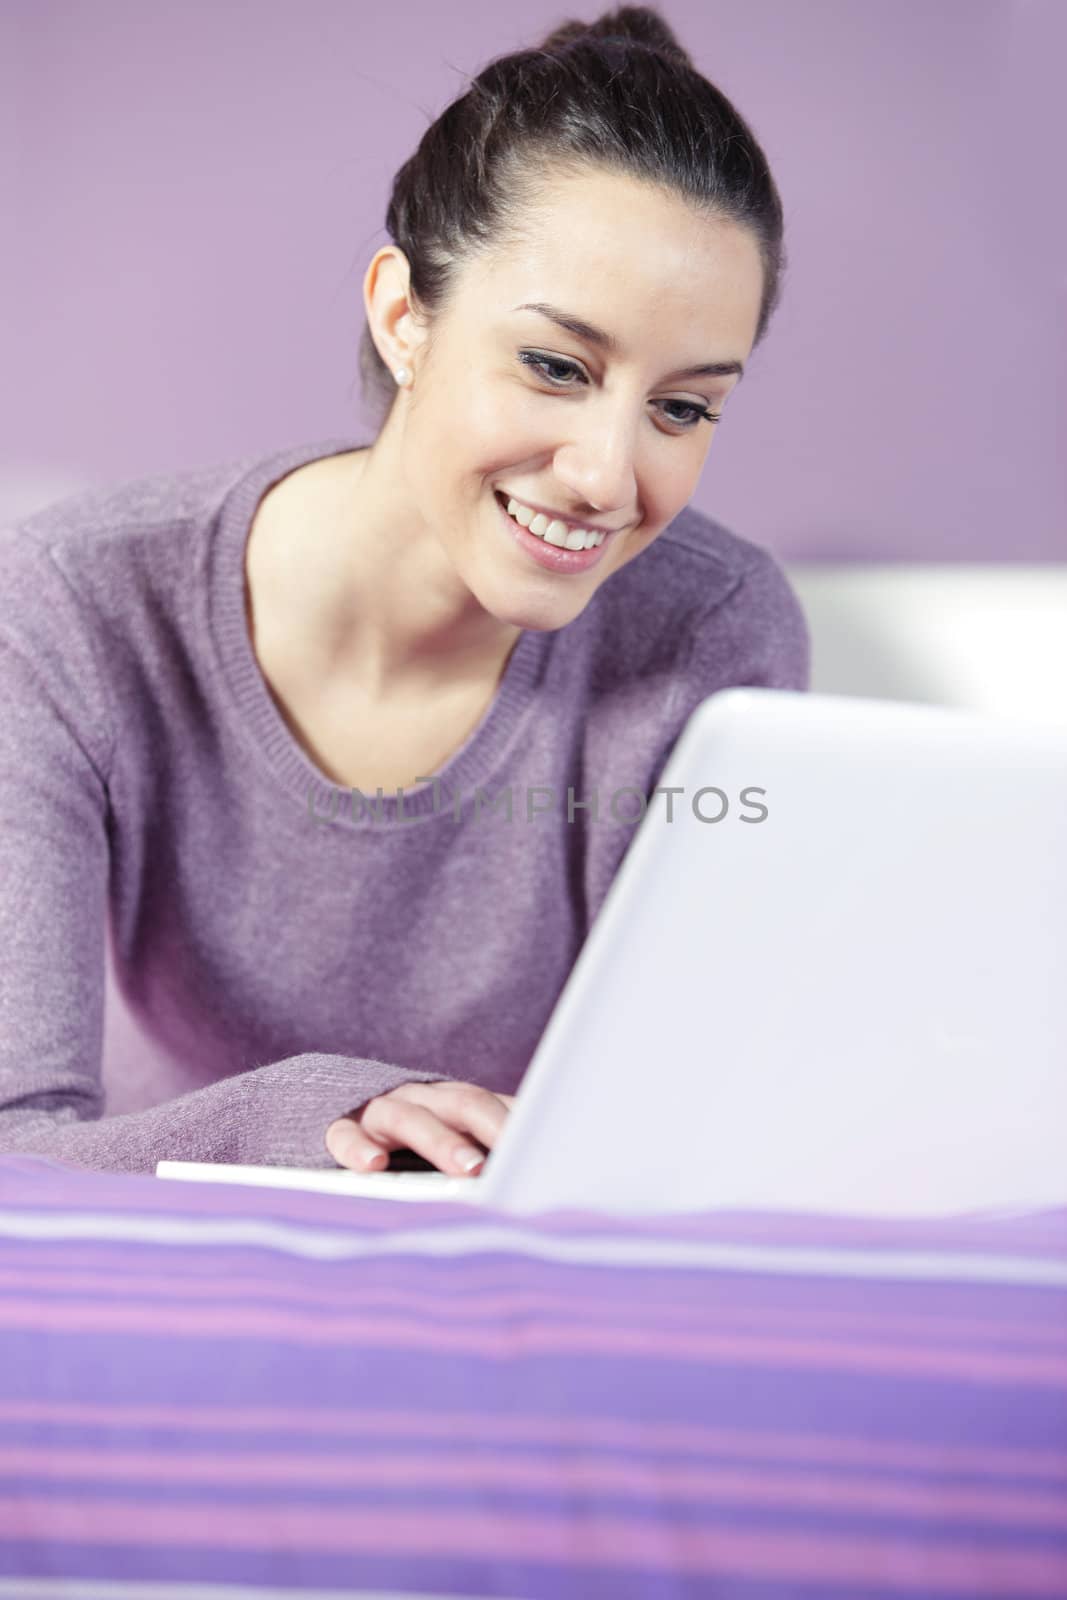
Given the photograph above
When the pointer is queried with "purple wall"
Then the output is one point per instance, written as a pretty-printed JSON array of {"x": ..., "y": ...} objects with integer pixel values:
[{"x": 190, "y": 193}]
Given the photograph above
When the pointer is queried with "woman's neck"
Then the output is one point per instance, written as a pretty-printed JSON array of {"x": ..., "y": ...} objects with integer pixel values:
[{"x": 329, "y": 566}]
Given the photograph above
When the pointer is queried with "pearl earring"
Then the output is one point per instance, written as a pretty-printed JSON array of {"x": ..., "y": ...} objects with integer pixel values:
[{"x": 401, "y": 375}]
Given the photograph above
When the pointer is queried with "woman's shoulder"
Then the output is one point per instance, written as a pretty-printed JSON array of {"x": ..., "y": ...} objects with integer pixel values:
[
  {"x": 116, "y": 563},
  {"x": 90, "y": 519},
  {"x": 93, "y": 587},
  {"x": 704, "y": 599}
]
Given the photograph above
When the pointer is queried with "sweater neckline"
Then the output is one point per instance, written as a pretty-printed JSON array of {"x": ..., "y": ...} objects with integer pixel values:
[{"x": 453, "y": 782}]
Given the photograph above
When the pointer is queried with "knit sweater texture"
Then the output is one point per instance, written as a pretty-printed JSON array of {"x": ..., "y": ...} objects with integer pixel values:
[{"x": 286, "y": 948}]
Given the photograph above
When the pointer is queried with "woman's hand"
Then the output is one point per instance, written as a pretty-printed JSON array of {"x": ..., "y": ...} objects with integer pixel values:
[{"x": 435, "y": 1120}]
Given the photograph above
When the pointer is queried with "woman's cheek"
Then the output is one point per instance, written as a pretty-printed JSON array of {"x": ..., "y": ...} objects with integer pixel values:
[{"x": 519, "y": 417}]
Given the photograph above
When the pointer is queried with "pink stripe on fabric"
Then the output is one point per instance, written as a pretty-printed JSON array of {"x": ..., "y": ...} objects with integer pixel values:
[
  {"x": 600, "y": 1541},
  {"x": 495, "y": 1299},
  {"x": 492, "y": 1470},
  {"x": 657, "y": 1344},
  {"x": 575, "y": 1429}
]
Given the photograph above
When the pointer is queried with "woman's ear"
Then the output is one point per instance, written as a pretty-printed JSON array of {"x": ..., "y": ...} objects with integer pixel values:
[{"x": 395, "y": 325}]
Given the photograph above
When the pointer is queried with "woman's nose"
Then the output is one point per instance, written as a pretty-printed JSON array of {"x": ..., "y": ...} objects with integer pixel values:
[{"x": 598, "y": 466}]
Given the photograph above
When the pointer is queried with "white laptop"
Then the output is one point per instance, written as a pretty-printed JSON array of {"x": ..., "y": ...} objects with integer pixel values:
[{"x": 848, "y": 994}]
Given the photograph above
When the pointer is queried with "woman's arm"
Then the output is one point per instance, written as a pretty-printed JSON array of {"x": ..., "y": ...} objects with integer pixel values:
[
  {"x": 55, "y": 757},
  {"x": 274, "y": 1115}
]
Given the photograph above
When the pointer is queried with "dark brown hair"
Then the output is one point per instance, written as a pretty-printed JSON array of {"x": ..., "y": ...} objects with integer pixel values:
[{"x": 619, "y": 94}]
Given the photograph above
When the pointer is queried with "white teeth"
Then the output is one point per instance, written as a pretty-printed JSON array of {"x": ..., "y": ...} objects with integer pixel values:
[{"x": 554, "y": 531}]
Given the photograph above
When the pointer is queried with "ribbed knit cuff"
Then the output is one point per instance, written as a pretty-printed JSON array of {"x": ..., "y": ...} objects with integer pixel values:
[{"x": 291, "y": 1103}]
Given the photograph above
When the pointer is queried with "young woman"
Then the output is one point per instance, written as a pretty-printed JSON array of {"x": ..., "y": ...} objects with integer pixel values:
[{"x": 336, "y": 752}]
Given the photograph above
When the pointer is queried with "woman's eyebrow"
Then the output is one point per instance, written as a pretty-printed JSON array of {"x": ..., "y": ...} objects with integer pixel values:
[{"x": 597, "y": 336}]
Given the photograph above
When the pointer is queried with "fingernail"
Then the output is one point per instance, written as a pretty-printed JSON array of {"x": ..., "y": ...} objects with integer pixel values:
[
  {"x": 468, "y": 1160},
  {"x": 378, "y": 1158}
]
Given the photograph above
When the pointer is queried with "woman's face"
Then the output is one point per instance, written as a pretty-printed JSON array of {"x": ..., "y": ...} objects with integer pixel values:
[{"x": 507, "y": 403}]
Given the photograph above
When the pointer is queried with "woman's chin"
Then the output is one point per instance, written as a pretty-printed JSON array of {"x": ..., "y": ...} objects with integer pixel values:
[{"x": 517, "y": 604}]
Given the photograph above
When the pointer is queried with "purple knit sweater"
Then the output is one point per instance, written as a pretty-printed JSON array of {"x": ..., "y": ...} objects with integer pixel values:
[{"x": 285, "y": 947}]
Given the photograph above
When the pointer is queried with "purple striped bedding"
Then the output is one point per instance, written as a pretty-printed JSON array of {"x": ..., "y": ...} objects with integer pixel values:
[{"x": 212, "y": 1392}]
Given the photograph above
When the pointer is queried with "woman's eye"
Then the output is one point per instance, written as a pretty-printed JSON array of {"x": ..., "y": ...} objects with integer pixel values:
[
  {"x": 541, "y": 364},
  {"x": 695, "y": 413}
]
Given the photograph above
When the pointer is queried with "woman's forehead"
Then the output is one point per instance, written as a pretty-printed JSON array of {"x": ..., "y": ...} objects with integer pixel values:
[{"x": 615, "y": 287}]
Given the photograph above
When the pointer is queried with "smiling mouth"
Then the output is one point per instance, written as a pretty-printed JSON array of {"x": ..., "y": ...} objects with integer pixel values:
[
  {"x": 546, "y": 553},
  {"x": 553, "y": 530}
]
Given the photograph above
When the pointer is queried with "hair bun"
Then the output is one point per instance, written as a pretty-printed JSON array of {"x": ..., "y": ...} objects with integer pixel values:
[{"x": 629, "y": 25}]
